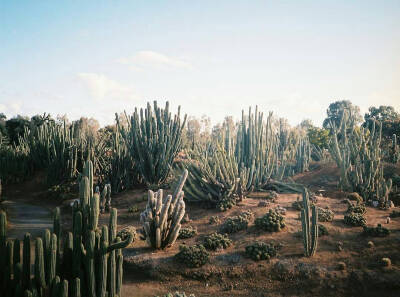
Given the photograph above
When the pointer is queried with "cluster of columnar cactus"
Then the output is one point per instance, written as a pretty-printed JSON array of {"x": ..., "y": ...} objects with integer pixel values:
[
  {"x": 216, "y": 179},
  {"x": 358, "y": 154},
  {"x": 59, "y": 149},
  {"x": 309, "y": 225},
  {"x": 105, "y": 198},
  {"x": 395, "y": 150},
  {"x": 303, "y": 156},
  {"x": 153, "y": 138},
  {"x": 225, "y": 171},
  {"x": 162, "y": 217},
  {"x": 87, "y": 263}
]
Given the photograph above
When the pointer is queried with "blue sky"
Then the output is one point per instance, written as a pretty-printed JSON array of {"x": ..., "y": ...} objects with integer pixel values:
[{"x": 95, "y": 58}]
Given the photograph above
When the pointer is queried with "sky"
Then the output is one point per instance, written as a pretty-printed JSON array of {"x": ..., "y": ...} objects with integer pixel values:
[{"x": 96, "y": 58}]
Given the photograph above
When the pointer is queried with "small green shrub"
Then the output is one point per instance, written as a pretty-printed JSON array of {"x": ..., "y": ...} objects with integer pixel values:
[
  {"x": 325, "y": 214},
  {"x": 125, "y": 232},
  {"x": 378, "y": 231},
  {"x": 395, "y": 214},
  {"x": 355, "y": 197},
  {"x": 133, "y": 209},
  {"x": 298, "y": 204},
  {"x": 177, "y": 294},
  {"x": 226, "y": 203},
  {"x": 322, "y": 230},
  {"x": 187, "y": 232},
  {"x": 216, "y": 241},
  {"x": 214, "y": 220},
  {"x": 358, "y": 208},
  {"x": 355, "y": 219},
  {"x": 272, "y": 221},
  {"x": 236, "y": 223},
  {"x": 271, "y": 196},
  {"x": 248, "y": 214},
  {"x": 261, "y": 251},
  {"x": 192, "y": 256}
]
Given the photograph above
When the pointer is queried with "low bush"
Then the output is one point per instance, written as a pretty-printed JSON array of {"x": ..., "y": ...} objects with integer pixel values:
[
  {"x": 271, "y": 196},
  {"x": 355, "y": 197},
  {"x": 214, "y": 220},
  {"x": 377, "y": 231},
  {"x": 357, "y": 208},
  {"x": 395, "y": 214},
  {"x": 177, "y": 294},
  {"x": 192, "y": 256},
  {"x": 261, "y": 251},
  {"x": 355, "y": 219},
  {"x": 216, "y": 241},
  {"x": 133, "y": 209},
  {"x": 325, "y": 214},
  {"x": 236, "y": 223},
  {"x": 322, "y": 230},
  {"x": 298, "y": 204},
  {"x": 272, "y": 221},
  {"x": 187, "y": 232},
  {"x": 125, "y": 233}
]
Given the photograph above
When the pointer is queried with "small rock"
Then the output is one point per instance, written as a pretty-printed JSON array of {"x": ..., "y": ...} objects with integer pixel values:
[
  {"x": 281, "y": 210},
  {"x": 263, "y": 204},
  {"x": 370, "y": 244},
  {"x": 387, "y": 220},
  {"x": 386, "y": 262}
]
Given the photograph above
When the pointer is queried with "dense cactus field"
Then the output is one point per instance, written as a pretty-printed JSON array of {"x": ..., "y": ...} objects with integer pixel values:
[{"x": 201, "y": 208}]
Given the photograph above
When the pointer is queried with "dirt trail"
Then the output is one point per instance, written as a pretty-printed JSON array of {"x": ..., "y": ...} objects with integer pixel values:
[
  {"x": 26, "y": 209},
  {"x": 24, "y": 217}
]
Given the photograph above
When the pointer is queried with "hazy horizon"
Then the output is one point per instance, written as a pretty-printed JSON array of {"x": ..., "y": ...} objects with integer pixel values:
[{"x": 215, "y": 58}]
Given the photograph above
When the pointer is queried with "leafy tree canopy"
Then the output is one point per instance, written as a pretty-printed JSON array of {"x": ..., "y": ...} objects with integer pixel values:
[
  {"x": 318, "y": 137},
  {"x": 389, "y": 118},
  {"x": 335, "y": 113}
]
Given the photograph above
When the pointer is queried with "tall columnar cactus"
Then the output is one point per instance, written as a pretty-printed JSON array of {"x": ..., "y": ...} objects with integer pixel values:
[
  {"x": 162, "y": 216},
  {"x": 395, "y": 151},
  {"x": 153, "y": 138},
  {"x": 303, "y": 156},
  {"x": 309, "y": 226},
  {"x": 105, "y": 199},
  {"x": 358, "y": 154},
  {"x": 91, "y": 261},
  {"x": 3, "y": 237},
  {"x": 257, "y": 148},
  {"x": 39, "y": 265},
  {"x": 26, "y": 268}
]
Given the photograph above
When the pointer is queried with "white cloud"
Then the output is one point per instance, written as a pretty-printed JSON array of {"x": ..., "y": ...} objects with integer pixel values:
[
  {"x": 101, "y": 87},
  {"x": 11, "y": 108},
  {"x": 144, "y": 59}
]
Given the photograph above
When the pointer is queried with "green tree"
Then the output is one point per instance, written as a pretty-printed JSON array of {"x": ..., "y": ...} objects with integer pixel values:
[
  {"x": 16, "y": 127},
  {"x": 318, "y": 137},
  {"x": 335, "y": 113},
  {"x": 3, "y": 130},
  {"x": 389, "y": 118}
]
